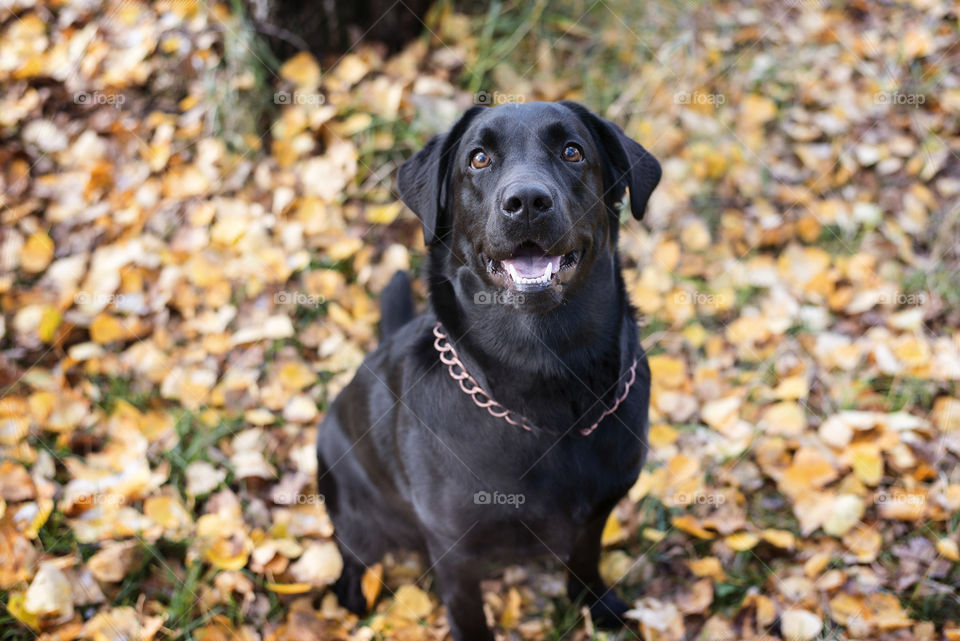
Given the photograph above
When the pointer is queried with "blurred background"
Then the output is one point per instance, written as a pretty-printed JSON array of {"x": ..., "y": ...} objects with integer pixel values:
[{"x": 198, "y": 213}]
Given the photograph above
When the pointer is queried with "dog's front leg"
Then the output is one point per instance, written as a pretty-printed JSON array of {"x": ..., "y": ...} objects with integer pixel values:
[
  {"x": 584, "y": 581},
  {"x": 458, "y": 582}
]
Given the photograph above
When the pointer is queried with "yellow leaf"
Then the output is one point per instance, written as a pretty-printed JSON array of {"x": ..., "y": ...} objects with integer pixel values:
[
  {"x": 917, "y": 43},
  {"x": 695, "y": 236},
  {"x": 612, "y": 531},
  {"x": 721, "y": 413},
  {"x": 169, "y": 513},
  {"x": 294, "y": 376},
  {"x": 809, "y": 469},
  {"x": 289, "y": 588},
  {"x": 105, "y": 329},
  {"x": 668, "y": 371},
  {"x": 15, "y": 605},
  {"x": 867, "y": 462},
  {"x": 302, "y": 70},
  {"x": 113, "y": 561},
  {"x": 49, "y": 322},
  {"x": 707, "y": 567},
  {"x": 689, "y": 524},
  {"x": 786, "y": 418},
  {"x": 36, "y": 253},
  {"x": 511, "y": 610},
  {"x": 372, "y": 583},
  {"x": 742, "y": 541},
  {"x": 864, "y": 542},
  {"x": 756, "y": 110},
  {"x": 383, "y": 214},
  {"x": 946, "y": 414},
  {"x": 411, "y": 603},
  {"x": 783, "y": 539},
  {"x": 44, "y": 508},
  {"x": 792, "y": 387},
  {"x": 846, "y": 512},
  {"x": 652, "y": 534},
  {"x": 948, "y": 549},
  {"x": 229, "y": 554},
  {"x": 697, "y": 599},
  {"x": 320, "y": 564},
  {"x": 661, "y": 435}
]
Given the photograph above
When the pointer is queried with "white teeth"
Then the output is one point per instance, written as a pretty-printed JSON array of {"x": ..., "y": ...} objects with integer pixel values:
[{"x": 524, "y": 280}]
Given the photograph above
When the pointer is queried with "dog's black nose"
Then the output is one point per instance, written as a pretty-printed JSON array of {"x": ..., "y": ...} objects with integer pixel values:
[{"x": 526, "y": 201}]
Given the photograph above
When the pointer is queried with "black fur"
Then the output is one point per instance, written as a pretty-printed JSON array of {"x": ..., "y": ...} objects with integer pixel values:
[
  {"x": 396, "y": 305},
  {"x": 404, "y": 452}
]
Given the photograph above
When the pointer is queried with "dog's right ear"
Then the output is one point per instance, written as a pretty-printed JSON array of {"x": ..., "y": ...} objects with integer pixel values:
[{"x": 423, "y": 181}]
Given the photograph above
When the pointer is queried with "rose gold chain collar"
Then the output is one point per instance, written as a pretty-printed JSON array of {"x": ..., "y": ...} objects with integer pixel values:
[{"x": 470, "y": 386}]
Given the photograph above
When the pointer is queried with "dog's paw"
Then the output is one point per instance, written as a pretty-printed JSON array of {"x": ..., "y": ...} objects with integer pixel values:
[
  {"x": 608, "y": 612},
  {"x": 348, "y": 591}
]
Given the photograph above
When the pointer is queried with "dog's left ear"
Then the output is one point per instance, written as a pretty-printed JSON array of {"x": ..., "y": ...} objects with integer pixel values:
[
  {"x": 626, "y": 162},
  {"x": 423, "y": 181}
]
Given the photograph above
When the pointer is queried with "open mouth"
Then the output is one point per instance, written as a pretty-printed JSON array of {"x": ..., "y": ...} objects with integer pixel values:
[{"x": 530, "y": 267}]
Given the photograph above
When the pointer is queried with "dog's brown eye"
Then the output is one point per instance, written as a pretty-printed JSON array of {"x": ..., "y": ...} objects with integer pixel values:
[
  {"x": 572, "y": 153},
  {"x": 480, "y": 160}
]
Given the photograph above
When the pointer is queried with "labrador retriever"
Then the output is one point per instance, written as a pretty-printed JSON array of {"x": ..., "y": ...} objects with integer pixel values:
[{"x": 508, "y": 420}]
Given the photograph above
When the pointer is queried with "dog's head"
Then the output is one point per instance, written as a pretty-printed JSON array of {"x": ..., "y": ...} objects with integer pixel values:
[{"x": 526, "y": 195}]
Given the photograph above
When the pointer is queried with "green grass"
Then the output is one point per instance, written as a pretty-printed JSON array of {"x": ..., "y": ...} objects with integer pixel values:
[
  {"x": 742, "y": 575},
  {"x": 117, "y": 388},
  {"x": 10, "y": 628},
  {"x": 193, "y": 444},
  {"x": 244, "y": 112},
  {"x": 906, "y": 392}
]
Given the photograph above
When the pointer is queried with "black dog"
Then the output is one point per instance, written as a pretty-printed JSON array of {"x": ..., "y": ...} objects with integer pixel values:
[{"x": 519, "y": 209}]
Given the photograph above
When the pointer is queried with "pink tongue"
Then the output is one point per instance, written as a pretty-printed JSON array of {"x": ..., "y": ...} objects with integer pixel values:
[{"x": 532, "y": 266}]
